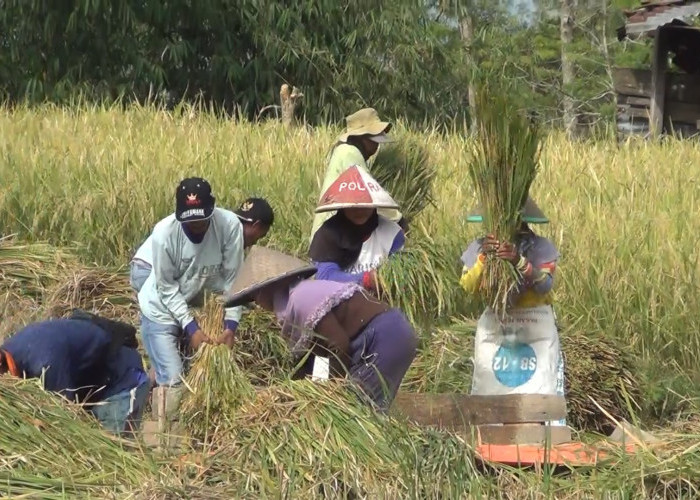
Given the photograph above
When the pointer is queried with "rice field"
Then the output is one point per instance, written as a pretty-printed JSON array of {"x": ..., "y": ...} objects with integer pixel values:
[{"x": 82, "y": 188}]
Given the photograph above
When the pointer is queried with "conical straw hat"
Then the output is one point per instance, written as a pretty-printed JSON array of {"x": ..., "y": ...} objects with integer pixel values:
[
  {"x": 531, "y": 213},
  {"x": 355, "y": 188},
  {"x": 264, "y": 267}
]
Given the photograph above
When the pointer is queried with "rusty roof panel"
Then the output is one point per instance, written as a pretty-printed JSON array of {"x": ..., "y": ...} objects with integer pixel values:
[{"x": 650, "y": 15}]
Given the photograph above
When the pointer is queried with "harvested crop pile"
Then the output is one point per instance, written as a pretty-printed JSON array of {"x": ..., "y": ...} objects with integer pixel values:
[
  {"x": 443, "y": 362},
  {"x": 597, "y": 368},
  {"x": 46, "y": 442},
  {"x": 94, "y": 290},
  {"x": 29, "y": 268},
  {"x": 312, "y": 438},
  {"x": 318, "y": 440}
]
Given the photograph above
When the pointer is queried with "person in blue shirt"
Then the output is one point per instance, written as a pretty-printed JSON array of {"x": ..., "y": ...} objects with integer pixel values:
[{"x": 88, "y": 360}]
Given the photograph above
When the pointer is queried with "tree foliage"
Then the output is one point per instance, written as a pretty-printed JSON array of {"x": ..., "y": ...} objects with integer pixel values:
[
  {"x": 391, "y": 55},
  {"x": 406, "y": 58}
]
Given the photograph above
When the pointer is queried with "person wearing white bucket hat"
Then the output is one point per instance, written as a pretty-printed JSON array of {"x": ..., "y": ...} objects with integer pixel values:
[
  {"x": 351, "y": 245},
  {"x": 364, "y": 133},
  {"x": 363, "y": 337}
]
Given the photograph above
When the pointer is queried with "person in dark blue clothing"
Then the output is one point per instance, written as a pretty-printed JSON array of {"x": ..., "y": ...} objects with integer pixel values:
[{"x": 88, "y": 360}]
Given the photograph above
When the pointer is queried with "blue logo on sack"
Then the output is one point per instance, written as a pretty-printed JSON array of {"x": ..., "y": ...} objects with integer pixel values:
[{"x": 514, "y": 363}]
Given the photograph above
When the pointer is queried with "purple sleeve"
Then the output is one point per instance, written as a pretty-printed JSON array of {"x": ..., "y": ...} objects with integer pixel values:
[
  {"x": 471, "y": 253},
  {"x": 331, "y": 271},
  {"x": 191, "y": 327},
  {"x": 398, "y": 243}
]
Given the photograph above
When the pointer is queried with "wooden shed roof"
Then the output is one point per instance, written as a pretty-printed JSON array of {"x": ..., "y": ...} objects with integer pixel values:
[{"x": 650, "y": 15}]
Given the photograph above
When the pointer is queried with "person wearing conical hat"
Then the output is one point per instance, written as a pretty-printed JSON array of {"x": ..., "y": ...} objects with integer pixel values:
[
  {"x": 364, "y": 133},
  {"x": 520, "y": 354},
  {"x": 352, "y": 244},
  {"x": 363, "y": 337}
]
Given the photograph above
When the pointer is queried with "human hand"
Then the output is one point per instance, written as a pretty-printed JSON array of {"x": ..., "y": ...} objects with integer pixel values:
[
  {"x": 507, "y": 251},
  {"x": 197, "y": 339},
  {"x": 227, "y": 338},
  {"x": 489, "y": 244}
]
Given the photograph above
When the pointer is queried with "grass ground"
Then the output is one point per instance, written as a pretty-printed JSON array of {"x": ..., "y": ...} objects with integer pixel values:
[{"x": 623, "y": 217}]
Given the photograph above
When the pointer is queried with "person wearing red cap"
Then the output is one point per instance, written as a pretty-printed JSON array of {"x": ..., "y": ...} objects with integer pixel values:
[{"x": 352, "y": 244}]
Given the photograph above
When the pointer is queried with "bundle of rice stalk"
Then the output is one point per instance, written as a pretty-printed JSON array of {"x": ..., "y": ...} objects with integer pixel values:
[
  {"x": 404, "y": 169},
  {"x": 16, "y": 311},
  {"x": 95, "y": 290},
  {"x": 260, "y": 350},
  {"x": 598, "y": 368},
  {"x": 306, "y": 439},
  {"x": 45, "y": 435},
  {"x": 419, "y": 280},
  {"x": 216, "y": 384},
  {"x": 30, "y": 267},
  {"x": 503, "y": 166},
  {"x": 24, "y": 485},
  {"x": 444, "y": 360}
]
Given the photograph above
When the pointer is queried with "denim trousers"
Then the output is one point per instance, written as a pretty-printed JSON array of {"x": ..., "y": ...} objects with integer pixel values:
[
  {"x": 166, "y": 346},
  {"x": 121, "y": 413}
]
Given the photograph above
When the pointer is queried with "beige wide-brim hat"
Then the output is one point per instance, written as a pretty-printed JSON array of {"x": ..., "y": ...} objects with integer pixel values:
[
  {"x": 531, "y": 213},
  {"x": 355, "y": 188},
  {"x": 366, "y": 122},
  {"x": 264, "y": 267}
]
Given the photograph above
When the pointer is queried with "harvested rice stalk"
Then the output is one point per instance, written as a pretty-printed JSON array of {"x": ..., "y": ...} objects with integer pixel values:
[
  {"x": 303, "y": 439},
  {"x": 419, "y": 279},
  {"x": 30, "y": 267},
  {"x": 217, "y": 386},
  {"x": 95, "y": 290},
  {"x": 404, "y": 169},
  {"x": 309, "y": 436},
  {"x": 260, "y": 349},
  {"x": 598, "y": 367},
  {"x": 44, "y": 434},
  {"x": 504, "y": 164}
]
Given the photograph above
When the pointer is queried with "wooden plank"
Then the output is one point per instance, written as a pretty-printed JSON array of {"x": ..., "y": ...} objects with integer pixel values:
[
  {"x": 524, "y": 434},
  {"x": 454, "y": 411},
  {"x": 633, "y": 100},
  {"x": 634, "y": 112},
  {"x": 683, "y": 112},
  {"x": 680, "y": 87},
  {"x": 658, "y": 82},
  {"x": 635, "y": 82}
]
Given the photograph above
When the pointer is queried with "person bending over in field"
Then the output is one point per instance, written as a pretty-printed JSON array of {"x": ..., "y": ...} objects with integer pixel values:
[
  {"x": 364, "y": 132},
  {"x": 255, "y": 214},
  {"x": 351, "y": 245},
  {"x": 360, "y": 335},
  {"x": 88, "y": 360},
  {"x": 198, "y": 248},
  {"x": 520, "y": 354}
]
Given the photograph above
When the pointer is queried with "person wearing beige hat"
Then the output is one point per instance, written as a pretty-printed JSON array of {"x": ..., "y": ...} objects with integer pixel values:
[
  {"x": 361, "y": 336},
  {"x": 363, "y": 134}
]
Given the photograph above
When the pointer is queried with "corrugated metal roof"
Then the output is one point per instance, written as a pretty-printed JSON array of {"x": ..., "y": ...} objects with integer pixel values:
[{"x": 650, "y": 15}]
